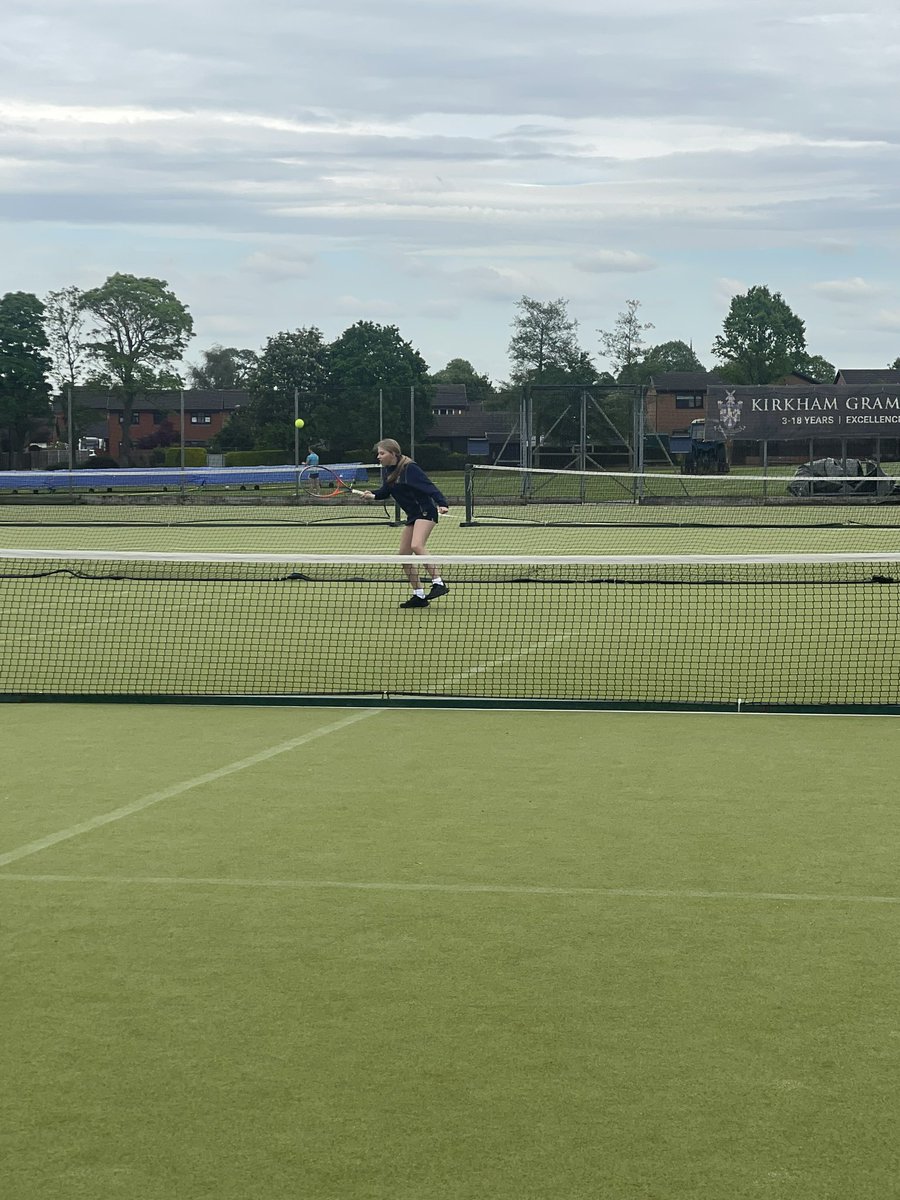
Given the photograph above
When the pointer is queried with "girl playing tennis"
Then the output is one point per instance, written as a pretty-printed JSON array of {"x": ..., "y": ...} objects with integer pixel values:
[{"x": 405, "y": 482}]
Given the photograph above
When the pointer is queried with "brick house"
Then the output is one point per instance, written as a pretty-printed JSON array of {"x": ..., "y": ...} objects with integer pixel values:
[{"x": 205, "y": 413}]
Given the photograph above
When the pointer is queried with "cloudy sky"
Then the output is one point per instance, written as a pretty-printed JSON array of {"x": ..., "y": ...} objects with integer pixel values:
[{"x": 426, "y": 162}]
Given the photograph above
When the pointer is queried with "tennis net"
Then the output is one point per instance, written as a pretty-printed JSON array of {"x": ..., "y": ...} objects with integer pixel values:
[
  {"x": 291, "y": 494},
  {"x": 774, "y": 632},
  {"x": 516, "y": 496}
]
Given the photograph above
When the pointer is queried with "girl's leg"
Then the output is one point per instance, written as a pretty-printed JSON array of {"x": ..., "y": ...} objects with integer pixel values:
[
  {"x": 406, "y": 547},
  {"x": 420, "y": 534}
]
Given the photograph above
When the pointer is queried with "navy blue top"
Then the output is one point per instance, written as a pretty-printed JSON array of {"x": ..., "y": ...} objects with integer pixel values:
[{"x": 413, "y": 491}]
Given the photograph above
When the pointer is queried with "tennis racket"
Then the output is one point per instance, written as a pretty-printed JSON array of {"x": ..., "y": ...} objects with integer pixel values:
[{"x": 324, "y": 484}]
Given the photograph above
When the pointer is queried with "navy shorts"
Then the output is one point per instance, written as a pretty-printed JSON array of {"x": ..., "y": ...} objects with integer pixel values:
[{"x": 422, "y": 516}]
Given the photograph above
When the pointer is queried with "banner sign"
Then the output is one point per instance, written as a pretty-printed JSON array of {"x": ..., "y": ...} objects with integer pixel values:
[{"x": 777, "y": 414}]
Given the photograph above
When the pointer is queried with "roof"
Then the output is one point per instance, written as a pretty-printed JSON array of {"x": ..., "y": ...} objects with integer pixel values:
[
  {"x": 195, "y": 400},
  {"x": 673, "y": 381},
  {"x": 476, "y": 422},
  {"x": 449, "y": 395},
  {"x": 883, "y": 376}
]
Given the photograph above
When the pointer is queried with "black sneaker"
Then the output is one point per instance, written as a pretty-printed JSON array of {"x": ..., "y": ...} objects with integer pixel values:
[
  {"x": 438, "y": 589},
  {"x": 415, "y": 602}
]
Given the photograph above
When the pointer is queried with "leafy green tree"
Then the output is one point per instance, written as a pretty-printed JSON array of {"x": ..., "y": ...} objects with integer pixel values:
[
  {"x": 64, "y": 322},
  {"x": 24, "y": 366},
  {"x": 140, "y": 328},
  {"x": 667, "y": 356},
  {"x": 365, "y": 359},
  {"x": 623, "y": 345},
  {"x": 816, "y": 367},
  {"x": 224, "y": 368},
  {"x": 291, "y": 361},
  {"x": 761, "y": 339},
  {"x": 479, "y": 388},
  {"x": 544, "y": 345}
]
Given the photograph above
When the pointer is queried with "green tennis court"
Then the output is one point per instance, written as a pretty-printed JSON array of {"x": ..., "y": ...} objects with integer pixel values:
[{"x": 369, "y": 954}]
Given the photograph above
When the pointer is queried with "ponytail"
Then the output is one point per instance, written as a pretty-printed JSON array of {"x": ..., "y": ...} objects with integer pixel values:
[{"x": 403, "y": 460}]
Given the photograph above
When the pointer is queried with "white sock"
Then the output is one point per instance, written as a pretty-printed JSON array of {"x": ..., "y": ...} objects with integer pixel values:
[
  {"x": 419, "y": 592},
  {"x": 436, "y": 579}
]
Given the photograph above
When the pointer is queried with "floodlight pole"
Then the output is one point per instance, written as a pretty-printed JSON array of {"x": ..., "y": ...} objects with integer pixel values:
[
  {"x": 296, "y": 443},
  {"x": 70, "y": 427}
]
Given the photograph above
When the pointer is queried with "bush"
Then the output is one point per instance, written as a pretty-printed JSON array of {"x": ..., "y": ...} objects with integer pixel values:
[
  {"x": 194, "y": 456},
  {"x": 257, "y": 458},
  {"x": 432, "y": 457}
]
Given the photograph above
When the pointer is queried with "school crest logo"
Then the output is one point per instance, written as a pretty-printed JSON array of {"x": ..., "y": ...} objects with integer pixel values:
[{"x": 730, "y": 412}]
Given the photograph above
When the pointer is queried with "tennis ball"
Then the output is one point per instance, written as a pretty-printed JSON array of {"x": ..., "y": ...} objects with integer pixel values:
[{"x": 299, "y": 423}]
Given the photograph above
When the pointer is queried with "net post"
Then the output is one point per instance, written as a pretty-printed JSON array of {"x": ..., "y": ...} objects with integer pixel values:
[
  {"x": 469, "y": 491},
  {"x": 181, "y": 453}
]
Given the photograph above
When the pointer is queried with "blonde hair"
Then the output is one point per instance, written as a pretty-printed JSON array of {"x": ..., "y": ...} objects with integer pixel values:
[{"x": 403, "y": 460}]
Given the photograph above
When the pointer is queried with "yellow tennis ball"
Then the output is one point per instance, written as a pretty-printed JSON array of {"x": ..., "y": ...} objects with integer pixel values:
[{"x": 299, "y": 423}]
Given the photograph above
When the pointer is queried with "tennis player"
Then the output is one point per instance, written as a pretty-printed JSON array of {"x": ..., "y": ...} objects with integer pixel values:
[
  {"x": 311, "y": 462},
  {"x": 405, "y": 482}
]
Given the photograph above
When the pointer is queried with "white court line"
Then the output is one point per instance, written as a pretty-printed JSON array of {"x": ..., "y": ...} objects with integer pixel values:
[
  {"x": 507, "y": 658},
  {"x": 454, "y": 888},
  {"x": 178, "y": 789}
]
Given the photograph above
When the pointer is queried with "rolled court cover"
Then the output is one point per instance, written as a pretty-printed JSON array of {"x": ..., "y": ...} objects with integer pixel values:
[{"x": 774, "y": 632}]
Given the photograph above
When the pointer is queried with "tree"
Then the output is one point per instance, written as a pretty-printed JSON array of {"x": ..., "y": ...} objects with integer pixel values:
[
  {"x": 24, "y": 365},
  {"x": 624, "y": 344},
  {"x": 479, "y": 388},
  {"x": 224, "y": 368},
  {"x": 293, "y": 360},
  {"x": 761, "y": 339},
  {"x": 140, "y": 328},
  {"x": 667, "y": 356},
  {"x": 817, "y": 367},
  {"x": 64, "y": 322},
  {"x": 367, "y": 359},
  {"x": 544, "y": 346}
]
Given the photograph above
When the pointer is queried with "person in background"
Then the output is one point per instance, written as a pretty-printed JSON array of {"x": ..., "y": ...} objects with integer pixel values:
[{"x": 311, "y": 462}]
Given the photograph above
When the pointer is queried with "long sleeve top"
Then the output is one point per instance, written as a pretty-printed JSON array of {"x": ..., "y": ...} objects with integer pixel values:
[{"x": 413, "y": 491}]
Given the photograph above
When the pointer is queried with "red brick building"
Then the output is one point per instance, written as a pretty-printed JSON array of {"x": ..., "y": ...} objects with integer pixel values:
[{"x": 99, "y": 415}]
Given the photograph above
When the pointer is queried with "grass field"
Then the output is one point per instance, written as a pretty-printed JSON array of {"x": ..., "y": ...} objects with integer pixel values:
[
  {"x": 503, "y": 633},
  {"x": 417, "y": 955},
  {"x": 761, "y": 644},
  {"x": 389, "y": 956}
]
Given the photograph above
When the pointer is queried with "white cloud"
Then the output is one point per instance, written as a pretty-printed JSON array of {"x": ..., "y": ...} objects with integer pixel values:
[
  {"x": 888, "y": 320},
  {"x": 278, "y": 267},
  {"x": 508, "y": 146},
  {"x": 847, "y": 291},
  {"x": 604, "y": 261}
]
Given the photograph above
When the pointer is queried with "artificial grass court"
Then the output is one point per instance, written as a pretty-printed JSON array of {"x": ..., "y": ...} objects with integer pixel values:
[
  {"x": 360, "y": 955},
  {"x": 239, "y": 529}
]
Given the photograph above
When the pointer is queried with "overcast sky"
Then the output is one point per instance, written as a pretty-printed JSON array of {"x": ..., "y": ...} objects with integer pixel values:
[{"x": 426, "y": 162}]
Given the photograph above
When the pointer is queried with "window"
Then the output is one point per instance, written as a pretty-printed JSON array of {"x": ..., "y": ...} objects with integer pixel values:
[
  {"x": 159, "y": 417},
  {"x": 201, "y": 419},
  {"x": 135, "y": 418},
  {"x": 689, "y": 400}
]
